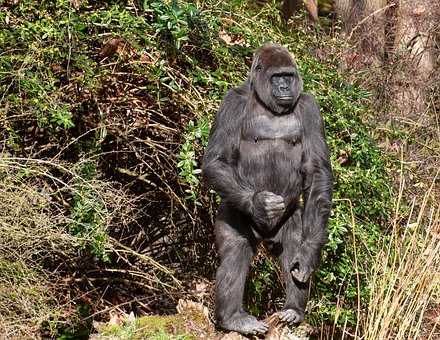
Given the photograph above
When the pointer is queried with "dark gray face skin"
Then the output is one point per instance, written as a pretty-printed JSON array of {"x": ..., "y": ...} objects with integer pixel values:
[
  {"x": 267, "y": 153},
  {"x": 278, "y": 88},
  {"x": 282, "y": 88}
]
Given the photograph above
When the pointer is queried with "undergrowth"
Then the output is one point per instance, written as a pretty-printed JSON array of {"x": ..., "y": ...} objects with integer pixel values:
[{"x": 112, "y": 104}]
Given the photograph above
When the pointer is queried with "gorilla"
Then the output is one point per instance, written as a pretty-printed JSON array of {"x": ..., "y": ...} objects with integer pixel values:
[{"x": 268, "y": 160}]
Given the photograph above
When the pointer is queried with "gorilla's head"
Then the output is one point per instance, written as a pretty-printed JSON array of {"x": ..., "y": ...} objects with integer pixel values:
[{"x": 275, "y": 78}]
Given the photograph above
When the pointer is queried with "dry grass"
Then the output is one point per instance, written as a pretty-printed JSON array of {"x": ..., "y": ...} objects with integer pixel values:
[
  {"x": 405, "y": 280},
  {"x": 26, "y": 300}
]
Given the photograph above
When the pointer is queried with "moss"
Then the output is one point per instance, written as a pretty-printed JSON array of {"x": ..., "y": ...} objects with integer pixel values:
[{"x": 182, "y": 327}]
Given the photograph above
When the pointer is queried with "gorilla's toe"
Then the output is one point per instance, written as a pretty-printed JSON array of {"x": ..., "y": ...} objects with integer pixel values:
[
  {"x": 291, "y": 316},
  {"x": 246, "y": 324}
]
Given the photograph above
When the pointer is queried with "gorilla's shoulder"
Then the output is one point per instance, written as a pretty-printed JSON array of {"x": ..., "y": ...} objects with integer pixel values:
[
  {"x": 309, "y": 104},
  {"x": 235, "y": 98},
  {"x": 241, "y": 91},
  {"x": 309, "y": 110},
  {"x": 308, "y": 99},
  {"x": 233, "y": 104}
]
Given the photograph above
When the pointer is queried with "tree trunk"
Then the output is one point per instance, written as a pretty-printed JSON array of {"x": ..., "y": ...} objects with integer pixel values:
[
  {"x": 398, "y": 36},
  {"x": 364, "y": 25},
  {"x": 291, "y": 6},
  {"x": 415, "y": 48}
]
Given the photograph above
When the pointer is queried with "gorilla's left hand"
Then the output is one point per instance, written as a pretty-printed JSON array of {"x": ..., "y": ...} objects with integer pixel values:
[{"x": 304, "y": 263}]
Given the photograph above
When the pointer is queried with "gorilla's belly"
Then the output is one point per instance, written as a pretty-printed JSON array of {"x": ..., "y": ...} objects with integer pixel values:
[{"x": 271, "y": 165}]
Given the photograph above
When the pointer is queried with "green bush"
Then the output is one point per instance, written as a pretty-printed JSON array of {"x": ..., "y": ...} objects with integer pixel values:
[{"x": 88, "y": 214}]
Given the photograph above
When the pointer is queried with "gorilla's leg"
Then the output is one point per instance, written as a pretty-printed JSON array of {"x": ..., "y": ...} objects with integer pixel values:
[
  {"x": 296, "y": 291},
  {"x": 236, "y": 245}
]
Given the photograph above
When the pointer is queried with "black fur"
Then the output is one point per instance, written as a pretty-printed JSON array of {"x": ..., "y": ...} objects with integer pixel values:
[{"x": 265, "y": 152}]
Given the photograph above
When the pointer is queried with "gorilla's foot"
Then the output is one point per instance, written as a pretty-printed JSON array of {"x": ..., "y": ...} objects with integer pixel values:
[
  {"x": 245, "y": 324},
  {"x": 290, "y": 316}
]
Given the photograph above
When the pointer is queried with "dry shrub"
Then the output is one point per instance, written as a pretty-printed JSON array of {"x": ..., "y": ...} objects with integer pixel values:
[
  {"x": 32, "y": 234},
  {"x": 46, "y": 270},
  {"x": 27, "y": 299},
  {"x": 32, "y": 222}
]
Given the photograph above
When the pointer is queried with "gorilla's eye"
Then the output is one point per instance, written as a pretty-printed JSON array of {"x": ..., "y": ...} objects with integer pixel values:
[{"x": 259, "y": 68}]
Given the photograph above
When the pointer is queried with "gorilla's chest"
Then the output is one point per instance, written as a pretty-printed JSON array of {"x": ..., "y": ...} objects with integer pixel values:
[
  {"x": 270, "y": 154},
  {"x": 266, "y": 130}
]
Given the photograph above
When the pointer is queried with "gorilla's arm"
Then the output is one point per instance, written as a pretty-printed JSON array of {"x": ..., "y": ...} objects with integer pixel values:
[
  {"x": 317, "y": 191},
  {"x": 218, "y": 161}
]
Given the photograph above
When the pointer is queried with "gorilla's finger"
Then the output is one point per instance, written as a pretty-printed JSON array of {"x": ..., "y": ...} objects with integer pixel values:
[
  {"x": 273, "y": 215},
  {"x": 262, "y": 328},
  {"x": 275, "y": 208},
  {"x": 274, "y": 198},
  {"x": 266, "y": 194},
  {"x": 270, "y": 203},
  {"x": 289, "y": 316},
  {"x": 302, "y": 275}
]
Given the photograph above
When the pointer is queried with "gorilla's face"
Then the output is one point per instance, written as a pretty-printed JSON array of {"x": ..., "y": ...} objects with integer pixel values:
[
  {"x": 275, "y": 78},
  {"x": 283, "y": 87}
]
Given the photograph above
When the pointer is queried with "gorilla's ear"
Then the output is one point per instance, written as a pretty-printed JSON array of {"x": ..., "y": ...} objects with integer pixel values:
[{"x": 255, "y": 65}]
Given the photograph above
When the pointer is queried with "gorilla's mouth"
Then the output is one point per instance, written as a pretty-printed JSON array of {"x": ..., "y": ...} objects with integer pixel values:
[{"x": 285, "y": 98}]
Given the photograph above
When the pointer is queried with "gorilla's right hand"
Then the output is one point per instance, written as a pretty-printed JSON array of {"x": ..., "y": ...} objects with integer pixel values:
[{"x": 267, "y": 209}]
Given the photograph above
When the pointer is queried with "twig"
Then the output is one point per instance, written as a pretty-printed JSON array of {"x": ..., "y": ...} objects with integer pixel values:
[{"x": 148, "y": 259}]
